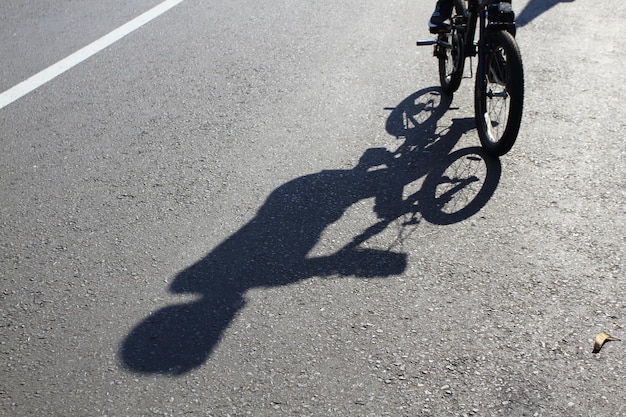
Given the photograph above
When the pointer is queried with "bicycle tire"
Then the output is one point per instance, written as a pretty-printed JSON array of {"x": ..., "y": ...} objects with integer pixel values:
[
  {"x": 499, "y": 94},
  {"x": 451, "y": 58}
]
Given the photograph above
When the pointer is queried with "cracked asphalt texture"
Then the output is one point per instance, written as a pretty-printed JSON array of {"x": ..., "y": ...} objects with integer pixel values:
[{"x": 192, "y": 224}]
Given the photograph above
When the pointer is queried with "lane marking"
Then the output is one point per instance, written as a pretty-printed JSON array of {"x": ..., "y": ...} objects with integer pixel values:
[{"x": 53, "y": 71}]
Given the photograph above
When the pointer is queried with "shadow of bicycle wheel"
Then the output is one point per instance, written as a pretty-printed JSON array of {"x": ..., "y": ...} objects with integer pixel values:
[{"x": 459, "y": 186}]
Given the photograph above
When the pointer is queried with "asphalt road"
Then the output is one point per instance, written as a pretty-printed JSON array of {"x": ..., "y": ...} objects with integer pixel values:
[{"x": 240, "y": 209}]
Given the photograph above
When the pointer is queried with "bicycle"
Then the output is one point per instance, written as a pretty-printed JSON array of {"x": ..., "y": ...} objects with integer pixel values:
[{"x": 499, "y": 87}]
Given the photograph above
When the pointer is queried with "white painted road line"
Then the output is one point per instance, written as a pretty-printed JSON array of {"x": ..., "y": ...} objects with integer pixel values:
[{"x": 81, "y": 55}]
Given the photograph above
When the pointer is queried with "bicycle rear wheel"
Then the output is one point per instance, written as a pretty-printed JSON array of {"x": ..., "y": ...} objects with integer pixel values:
[
  {"x": 450, "y": 53},
  {"x": 499, "y": 94}
]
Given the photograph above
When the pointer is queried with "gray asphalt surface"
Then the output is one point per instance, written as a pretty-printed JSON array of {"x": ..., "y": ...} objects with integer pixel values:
[{"x": 206, "y": 218}]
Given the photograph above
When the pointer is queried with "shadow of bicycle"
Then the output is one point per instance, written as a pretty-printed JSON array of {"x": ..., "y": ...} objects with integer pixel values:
[{"x": 273, "y": 248}]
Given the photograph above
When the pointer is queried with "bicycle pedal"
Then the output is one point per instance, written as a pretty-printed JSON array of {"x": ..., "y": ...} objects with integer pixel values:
[{"x": 426, "y": 42}]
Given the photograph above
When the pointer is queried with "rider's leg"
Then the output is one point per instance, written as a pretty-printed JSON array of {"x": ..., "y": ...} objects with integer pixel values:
[{"x": 442, "y": 12}]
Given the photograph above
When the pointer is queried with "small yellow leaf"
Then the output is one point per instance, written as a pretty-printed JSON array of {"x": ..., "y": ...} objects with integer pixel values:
[{"x": 601, "y": 339}]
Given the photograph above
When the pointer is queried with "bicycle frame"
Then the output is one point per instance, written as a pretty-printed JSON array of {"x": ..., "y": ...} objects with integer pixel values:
[
  {"x": 492, "y": 15},
  {"x": 499, "y": 87}
]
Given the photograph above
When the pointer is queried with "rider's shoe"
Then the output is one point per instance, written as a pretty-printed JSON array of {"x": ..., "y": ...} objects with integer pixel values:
[{"x": 439, "y": 20}]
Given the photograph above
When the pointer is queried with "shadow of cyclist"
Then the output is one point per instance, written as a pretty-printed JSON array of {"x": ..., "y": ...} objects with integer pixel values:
[
  {"x": 272, "y": 249},
  {"x": 534, "y": 8}
]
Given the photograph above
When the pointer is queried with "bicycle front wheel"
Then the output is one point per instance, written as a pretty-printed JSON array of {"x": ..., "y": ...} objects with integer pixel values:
[{"x": 499, "y": 94}]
